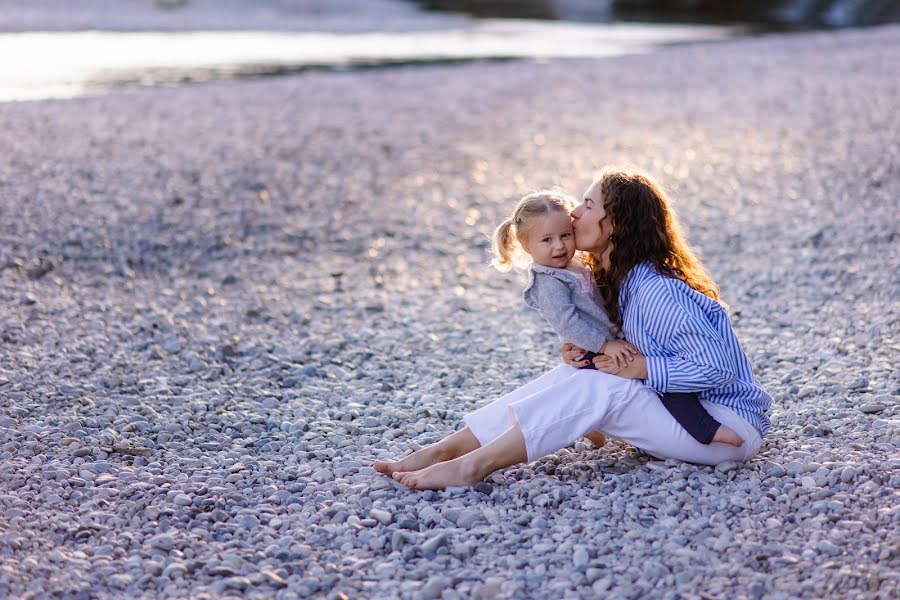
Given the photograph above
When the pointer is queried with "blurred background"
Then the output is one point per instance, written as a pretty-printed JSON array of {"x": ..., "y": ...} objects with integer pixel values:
[
  {"x": 786, "y": 13},
  {"x": 66, "y": 48}
]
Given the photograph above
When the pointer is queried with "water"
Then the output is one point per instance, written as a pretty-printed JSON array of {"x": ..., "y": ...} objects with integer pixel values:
[{"x": 68, "y": 64}]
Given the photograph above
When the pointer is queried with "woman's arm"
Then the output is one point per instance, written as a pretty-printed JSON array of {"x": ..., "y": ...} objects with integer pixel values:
[
  {"x": 697, "y": 359},
  {"x": 694, "y": 356}
]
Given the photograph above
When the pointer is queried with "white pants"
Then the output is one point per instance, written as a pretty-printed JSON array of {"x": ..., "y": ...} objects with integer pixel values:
[{"x": 562, "y": 405}]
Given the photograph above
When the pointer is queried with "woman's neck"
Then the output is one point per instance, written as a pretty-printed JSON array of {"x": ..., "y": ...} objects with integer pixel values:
[{"x": 603, "y": 258}]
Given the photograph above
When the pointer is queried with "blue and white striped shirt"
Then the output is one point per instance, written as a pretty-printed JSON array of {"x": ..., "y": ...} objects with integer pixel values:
[{"x": 689, "y": 344}]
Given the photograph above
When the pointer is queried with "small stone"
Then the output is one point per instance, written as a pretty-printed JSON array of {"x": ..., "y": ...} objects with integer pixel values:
[
  {"x": 377, "y": 543},
  {"x": 490, "y": 589},
  {"x": 435, "y": 587},
  {"x": 120, "y": 580},
  {"x": 272, "y": 578},
  {"x": 484, "y": 487},
  {"x": 172, "y": 346},
  {"x": 249, "y": 522},
  {"x": 237, "y": 583},
  {"x": 182, "y": 500},
  {"x": 728, "y": 465},
  {"x": 220, "y": 571},
  {"x": 847, "y": 474},
  {"x": 808, "y": 482},
  {"x": 397, "y": 541},
  {"x": 469, "y": 518},
  {"x": 776, "y": 471},
  {"x": 323, "y": 475},
  {"x": 872, "y": 408},
  {"x": 382, "y": 516},
  {"x": 795, "y": 468},
  {"x": 541, "y": 500},
  {"x": 581, "y": 558},
  {"x": 162, "y": 541},
  {"x": 428, "y": 515},
  {"x": 429, "y": 548},
  {"x": 218, "y": 516},
  {"x": 593, "y": 574},
  {"x": 175, "y": 570}
]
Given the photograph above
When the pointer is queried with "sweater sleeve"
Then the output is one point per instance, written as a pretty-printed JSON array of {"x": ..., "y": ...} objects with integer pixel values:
[
  {"x": 553, "y": 299},
  {"x": 696, "y": 357}
]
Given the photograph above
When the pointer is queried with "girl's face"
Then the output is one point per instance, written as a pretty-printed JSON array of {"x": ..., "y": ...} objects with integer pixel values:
[
  {"x": 550, "y": 240},
  {"x": 593, "y": 226}
]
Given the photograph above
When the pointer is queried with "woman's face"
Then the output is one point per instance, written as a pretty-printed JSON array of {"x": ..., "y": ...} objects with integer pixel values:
[{"x": 593, "y": 227}]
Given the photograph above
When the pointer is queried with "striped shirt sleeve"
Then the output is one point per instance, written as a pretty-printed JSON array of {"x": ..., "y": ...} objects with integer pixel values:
[{"x": 696, "y": 357}]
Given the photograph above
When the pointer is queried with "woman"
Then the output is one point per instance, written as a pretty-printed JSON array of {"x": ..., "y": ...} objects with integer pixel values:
[{"x": 667, "y": 306}]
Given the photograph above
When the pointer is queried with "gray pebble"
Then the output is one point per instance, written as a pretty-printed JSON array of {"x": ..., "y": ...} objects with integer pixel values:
[
  {"x": 435, "y": 587},
  {"x": 382, "y": 516}
]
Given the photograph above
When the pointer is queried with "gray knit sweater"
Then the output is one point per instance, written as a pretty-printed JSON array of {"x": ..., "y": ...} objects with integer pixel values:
[{"x": 575, "y": 314}]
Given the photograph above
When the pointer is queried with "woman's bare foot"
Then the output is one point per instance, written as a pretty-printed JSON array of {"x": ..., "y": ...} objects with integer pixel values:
[
  {"x": 452, "y": 473},
  {"x": 454, "y": 445},
  {"x": 596, "y": 438},
  {"x": 727, "y": 435},
  {"x": 415, "y": 461}
]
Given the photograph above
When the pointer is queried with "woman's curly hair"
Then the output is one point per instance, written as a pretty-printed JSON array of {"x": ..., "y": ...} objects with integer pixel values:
[{"x": 645, "y": 229}]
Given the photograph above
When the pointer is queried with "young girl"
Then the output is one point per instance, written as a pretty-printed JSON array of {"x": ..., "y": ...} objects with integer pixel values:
[{"x": 539, "y": 235}]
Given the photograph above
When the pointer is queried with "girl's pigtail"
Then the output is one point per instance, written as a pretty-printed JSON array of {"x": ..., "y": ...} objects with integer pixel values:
[{"x": 503, "y": 243}]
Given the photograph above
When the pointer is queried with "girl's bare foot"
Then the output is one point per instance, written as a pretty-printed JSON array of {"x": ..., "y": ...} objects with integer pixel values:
[
  {"x": 596, "y": 438},
  {"x": 452, "y": 473},
  {"x": 727, "y": 435}
]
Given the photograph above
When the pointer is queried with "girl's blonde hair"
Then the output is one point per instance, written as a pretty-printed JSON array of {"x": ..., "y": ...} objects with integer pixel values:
[{"x": 507, "y": 241}]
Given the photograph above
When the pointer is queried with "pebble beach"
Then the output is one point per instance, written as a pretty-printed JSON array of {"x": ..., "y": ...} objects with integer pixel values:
[{"x": 223, "y": 301}]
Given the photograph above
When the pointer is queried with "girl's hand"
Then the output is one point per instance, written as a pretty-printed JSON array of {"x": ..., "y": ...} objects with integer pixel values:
[
  {"x": 620, "y": 351},
  {"x": 606, "y": 364},
  {"x": 570, "y": 355},
  {"x": 636, "y": 369}
]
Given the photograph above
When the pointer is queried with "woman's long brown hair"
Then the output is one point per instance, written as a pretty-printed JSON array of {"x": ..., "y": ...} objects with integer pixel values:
[{"x": 645, "y": 229}]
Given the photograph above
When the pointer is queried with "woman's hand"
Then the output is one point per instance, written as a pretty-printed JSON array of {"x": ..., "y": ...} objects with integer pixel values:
[
  {"x": 636, "y": 369},
  {"x": 570, "y": 355}
]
